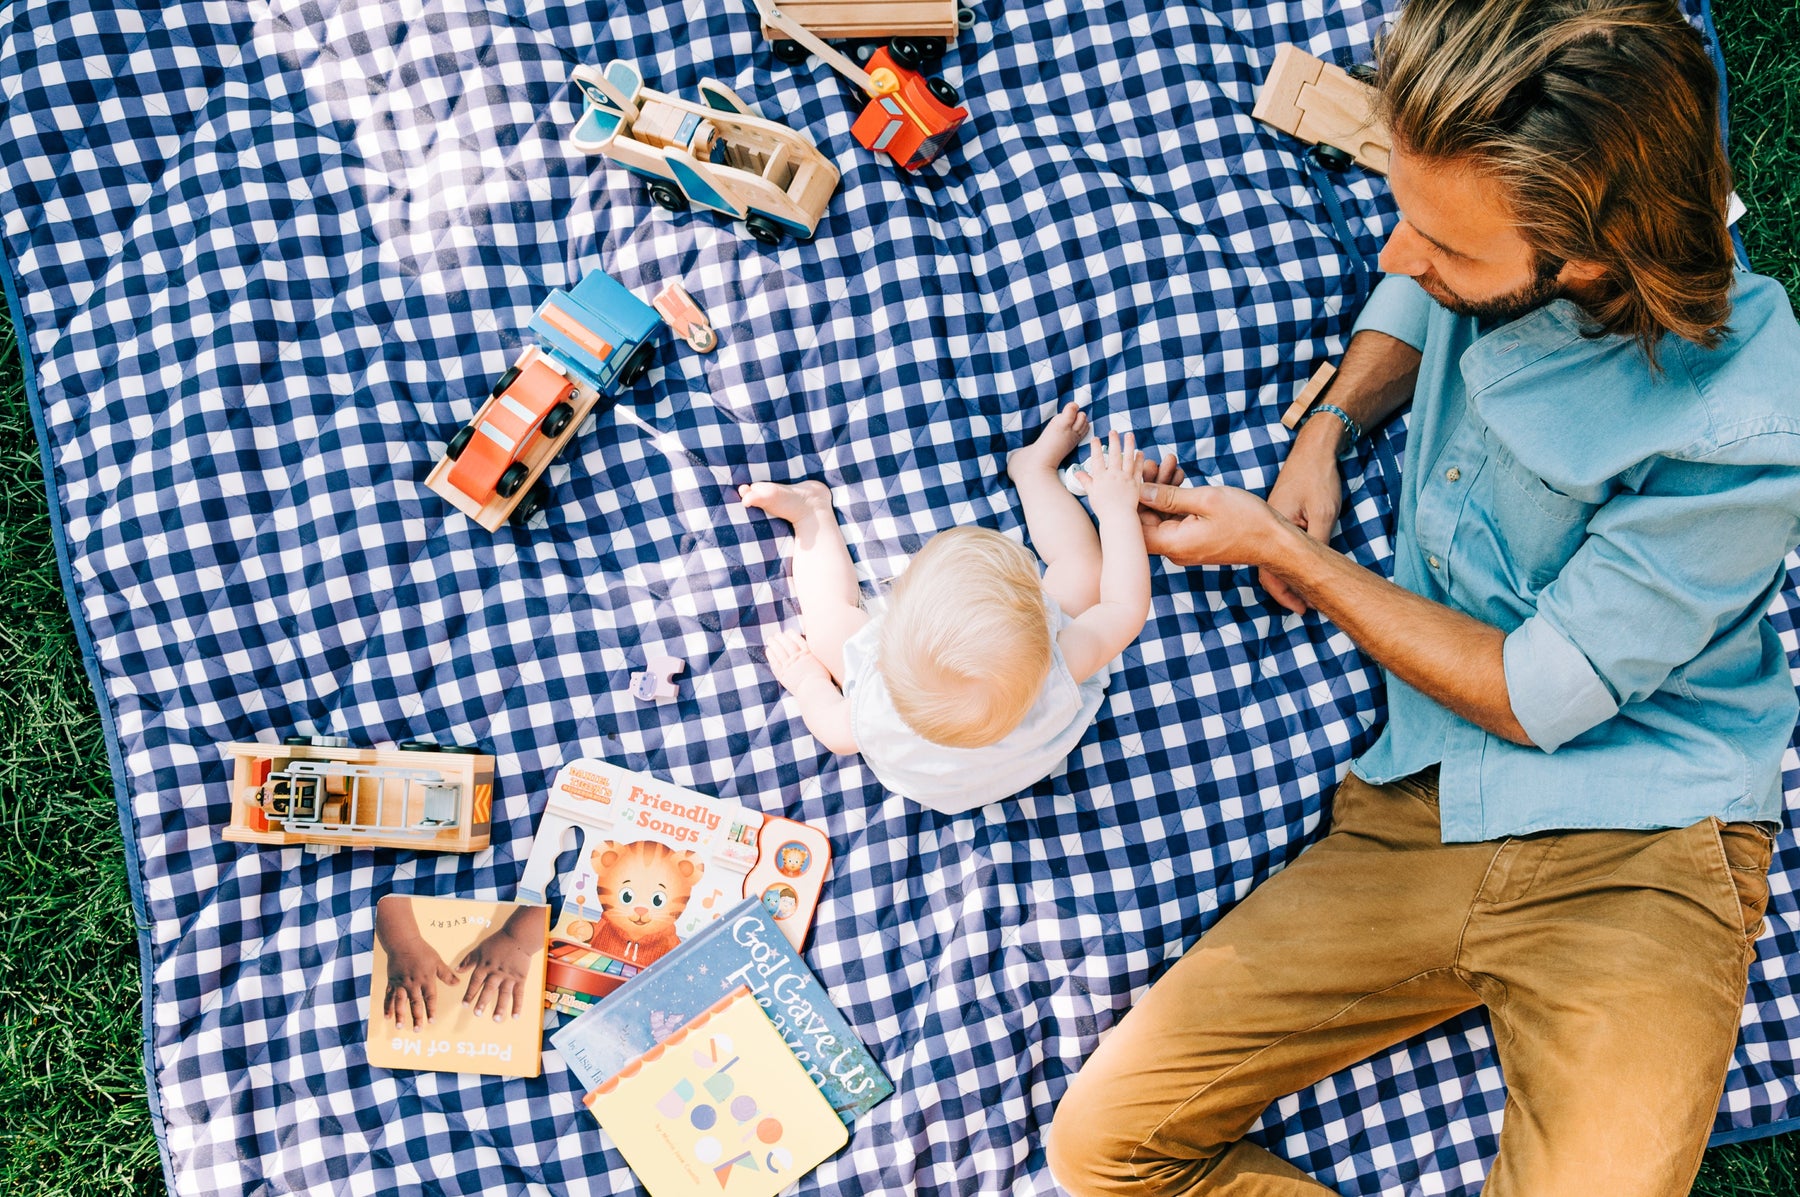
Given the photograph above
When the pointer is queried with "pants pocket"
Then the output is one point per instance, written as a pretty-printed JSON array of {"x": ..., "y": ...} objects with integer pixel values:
[{"x": 1747, "y": 850}]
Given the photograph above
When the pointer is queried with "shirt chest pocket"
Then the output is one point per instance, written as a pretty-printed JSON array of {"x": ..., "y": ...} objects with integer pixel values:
[{"x": 1537, "y": 527}]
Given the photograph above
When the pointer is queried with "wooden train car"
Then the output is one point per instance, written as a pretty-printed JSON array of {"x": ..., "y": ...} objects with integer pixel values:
[{"x": 318, "y": 792}]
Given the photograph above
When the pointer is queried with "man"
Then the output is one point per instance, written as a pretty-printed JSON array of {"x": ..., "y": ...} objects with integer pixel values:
[{"x": 1566, "y": 819}]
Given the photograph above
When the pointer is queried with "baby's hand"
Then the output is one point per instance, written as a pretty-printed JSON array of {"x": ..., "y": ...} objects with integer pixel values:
[
  {"x": 793, "y": 663},
  {"x": 1114, "y": 474}
]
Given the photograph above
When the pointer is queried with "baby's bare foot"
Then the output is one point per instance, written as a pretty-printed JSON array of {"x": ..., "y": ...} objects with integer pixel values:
[
  {"x": 793, "y": 501},
  {"x": 1067, "y": 429}
]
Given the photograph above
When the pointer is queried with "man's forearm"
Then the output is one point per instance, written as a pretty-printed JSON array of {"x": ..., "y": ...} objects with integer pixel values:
[
  {"x": 1451, "y": 658},
  {"x": 1374, "y": 380}
]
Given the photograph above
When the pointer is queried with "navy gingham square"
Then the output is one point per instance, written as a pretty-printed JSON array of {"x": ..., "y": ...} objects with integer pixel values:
[{"x": 265, "y": 258}]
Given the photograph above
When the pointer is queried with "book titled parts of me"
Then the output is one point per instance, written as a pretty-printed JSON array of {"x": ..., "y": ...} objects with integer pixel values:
[
  {"x": 744, "y": 948},
  {"x": 457, "y": 985}
]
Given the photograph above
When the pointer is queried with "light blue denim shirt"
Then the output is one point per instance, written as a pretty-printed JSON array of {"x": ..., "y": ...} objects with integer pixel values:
[{"x": 1626, "y": 530}]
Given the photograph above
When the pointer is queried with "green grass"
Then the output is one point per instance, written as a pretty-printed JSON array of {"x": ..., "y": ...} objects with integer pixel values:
[{"x": 73, "y": 1118}]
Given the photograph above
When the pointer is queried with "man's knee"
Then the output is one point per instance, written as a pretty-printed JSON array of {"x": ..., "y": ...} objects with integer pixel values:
[{"x": 1089, "y": 1151}]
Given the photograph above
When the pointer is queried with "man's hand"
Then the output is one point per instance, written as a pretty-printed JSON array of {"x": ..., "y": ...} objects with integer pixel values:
[
  {"x": 1209, "y": 525},
  {"x": 1309, "y": 492}
]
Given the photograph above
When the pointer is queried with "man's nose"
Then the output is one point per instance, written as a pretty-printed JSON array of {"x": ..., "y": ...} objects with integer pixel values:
[{"x": 1405, "y": 252}]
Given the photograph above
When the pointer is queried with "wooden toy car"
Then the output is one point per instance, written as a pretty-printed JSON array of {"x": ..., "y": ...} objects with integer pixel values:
[
  {"x": 593, "y": 345},
  {"x": 921, "y": 31},
  {"x": 681, "y": 313},
  {"x": 910, "y": 118},
  {"x": 720, "y": 155},
  {"x": 319, "y": 792},
  {"x": 1320, "y": 103}
]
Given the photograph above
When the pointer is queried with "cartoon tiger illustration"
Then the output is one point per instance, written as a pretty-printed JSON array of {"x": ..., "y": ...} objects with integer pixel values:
[{"x": 643, "y": 887}]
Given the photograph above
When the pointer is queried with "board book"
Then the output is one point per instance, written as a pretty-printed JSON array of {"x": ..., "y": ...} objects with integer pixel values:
[
  {"x": 719, "y": 1107},
  {"x": 631, "y": 866},
  {"x": 457, "y": 986},
  {"x": 743, "y": 948}
]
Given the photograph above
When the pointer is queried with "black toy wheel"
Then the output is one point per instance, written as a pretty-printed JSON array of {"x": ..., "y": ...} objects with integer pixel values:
[
  {"x": 461, "y": 749},
  {"x": 297, "y": 741},
  {"x": 907, "y": 52},
  {"x": 790, "y": 52},
  {"x": 459, "y": 442},
  {"x": 1332, "y": 158},
  {"x": 556, "y": 420},
  {"x": 946, "y": 95},
  {"x": 420, "y": 746},
  {"x": 764, "y": 229},
  {"x": 668, "y": 196},
  {"x": 932, "y": 49},
  {"x": 512, "y": 480},
  {"x": 506, "y": 380},
  {"x": 535, "y": 501},
  {"x": 637, "y": 365}
]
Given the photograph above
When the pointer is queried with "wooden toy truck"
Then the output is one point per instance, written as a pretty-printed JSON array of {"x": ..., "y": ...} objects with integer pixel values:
[
  {"x": 318, "y": 792},
  {"x": 1321, "y": 103},
  {"x": 593, "y": 345},
  {"x": 720, "y": 154},
  {"x": 910, "y": 118}
]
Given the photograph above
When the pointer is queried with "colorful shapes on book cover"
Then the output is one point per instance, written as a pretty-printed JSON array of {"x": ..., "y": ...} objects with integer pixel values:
[{"x": 721, "y": 1106}]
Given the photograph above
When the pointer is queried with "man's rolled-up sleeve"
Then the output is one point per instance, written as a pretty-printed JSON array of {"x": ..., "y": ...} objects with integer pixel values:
[
  {"x": 1398, "y": 308},
  {"x": 1555, "y": 693},
  {"x": 1664, "y": 570}
]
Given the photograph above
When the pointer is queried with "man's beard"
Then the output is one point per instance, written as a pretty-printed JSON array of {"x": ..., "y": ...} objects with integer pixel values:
[{"x": 1502, "y": 309}]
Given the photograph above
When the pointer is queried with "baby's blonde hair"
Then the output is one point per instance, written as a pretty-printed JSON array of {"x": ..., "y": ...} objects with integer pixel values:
[{"x": 965, "y": 644}]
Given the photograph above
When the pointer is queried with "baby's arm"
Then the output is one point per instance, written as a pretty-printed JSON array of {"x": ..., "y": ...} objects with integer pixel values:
[
  {"x": 1104, "y": 630},
  {"x": 822, "y": 705}
]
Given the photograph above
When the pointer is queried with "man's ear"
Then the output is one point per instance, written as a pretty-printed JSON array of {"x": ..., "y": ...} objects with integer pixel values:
[{"x": 1579, "y": 272}]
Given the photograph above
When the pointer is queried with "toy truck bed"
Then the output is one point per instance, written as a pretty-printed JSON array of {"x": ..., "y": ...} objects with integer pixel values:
[
  {"x": 492, "y": 511},
  {"x": 847, "y": 20}
]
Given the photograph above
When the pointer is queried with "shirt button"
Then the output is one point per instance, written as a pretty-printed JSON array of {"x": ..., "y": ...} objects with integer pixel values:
[
  {"x": 1433, "y": 562},
  {"x": 1452, "y": 474}
]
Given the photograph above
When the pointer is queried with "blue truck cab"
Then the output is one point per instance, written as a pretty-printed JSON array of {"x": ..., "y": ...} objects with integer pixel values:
[{"x": 600, "y": 332}]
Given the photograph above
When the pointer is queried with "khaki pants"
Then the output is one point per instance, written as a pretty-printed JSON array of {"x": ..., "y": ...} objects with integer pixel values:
[{"x": 1612, "y": 964}]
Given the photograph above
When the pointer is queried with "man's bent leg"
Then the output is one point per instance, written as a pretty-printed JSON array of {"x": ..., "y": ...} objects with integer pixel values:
[
  {"x": 1614, "y": 971},
  {"x": 1347, "y": 951}
]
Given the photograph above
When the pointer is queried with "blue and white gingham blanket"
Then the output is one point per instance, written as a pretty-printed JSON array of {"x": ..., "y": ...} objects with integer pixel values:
[{"x": 265, "y": 256}]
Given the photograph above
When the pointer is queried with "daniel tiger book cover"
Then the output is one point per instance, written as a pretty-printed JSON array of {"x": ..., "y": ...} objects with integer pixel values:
[
  {"x": 721, "y": 1106},
  {"x": 457, "y": 985},
  {"x": 631, "y": 866}
]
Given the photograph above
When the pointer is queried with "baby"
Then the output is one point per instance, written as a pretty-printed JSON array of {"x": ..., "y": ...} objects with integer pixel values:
[{"x": 981, "y": 676}]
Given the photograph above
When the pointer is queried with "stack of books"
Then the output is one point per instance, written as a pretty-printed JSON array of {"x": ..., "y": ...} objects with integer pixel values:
[{"x": 726, "y": 1062}]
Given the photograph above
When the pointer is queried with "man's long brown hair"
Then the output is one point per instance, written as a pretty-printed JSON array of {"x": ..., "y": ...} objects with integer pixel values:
[{"x": 1597, "y": 121}]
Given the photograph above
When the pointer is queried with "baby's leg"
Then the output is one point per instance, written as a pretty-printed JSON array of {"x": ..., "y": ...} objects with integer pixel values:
[
  {"x": 1061, "y": 533},
  {"x": 824, "y": 576}
]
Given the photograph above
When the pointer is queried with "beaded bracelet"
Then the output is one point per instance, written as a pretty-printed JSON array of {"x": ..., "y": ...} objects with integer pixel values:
[{"x": 1350, "y": 425}]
